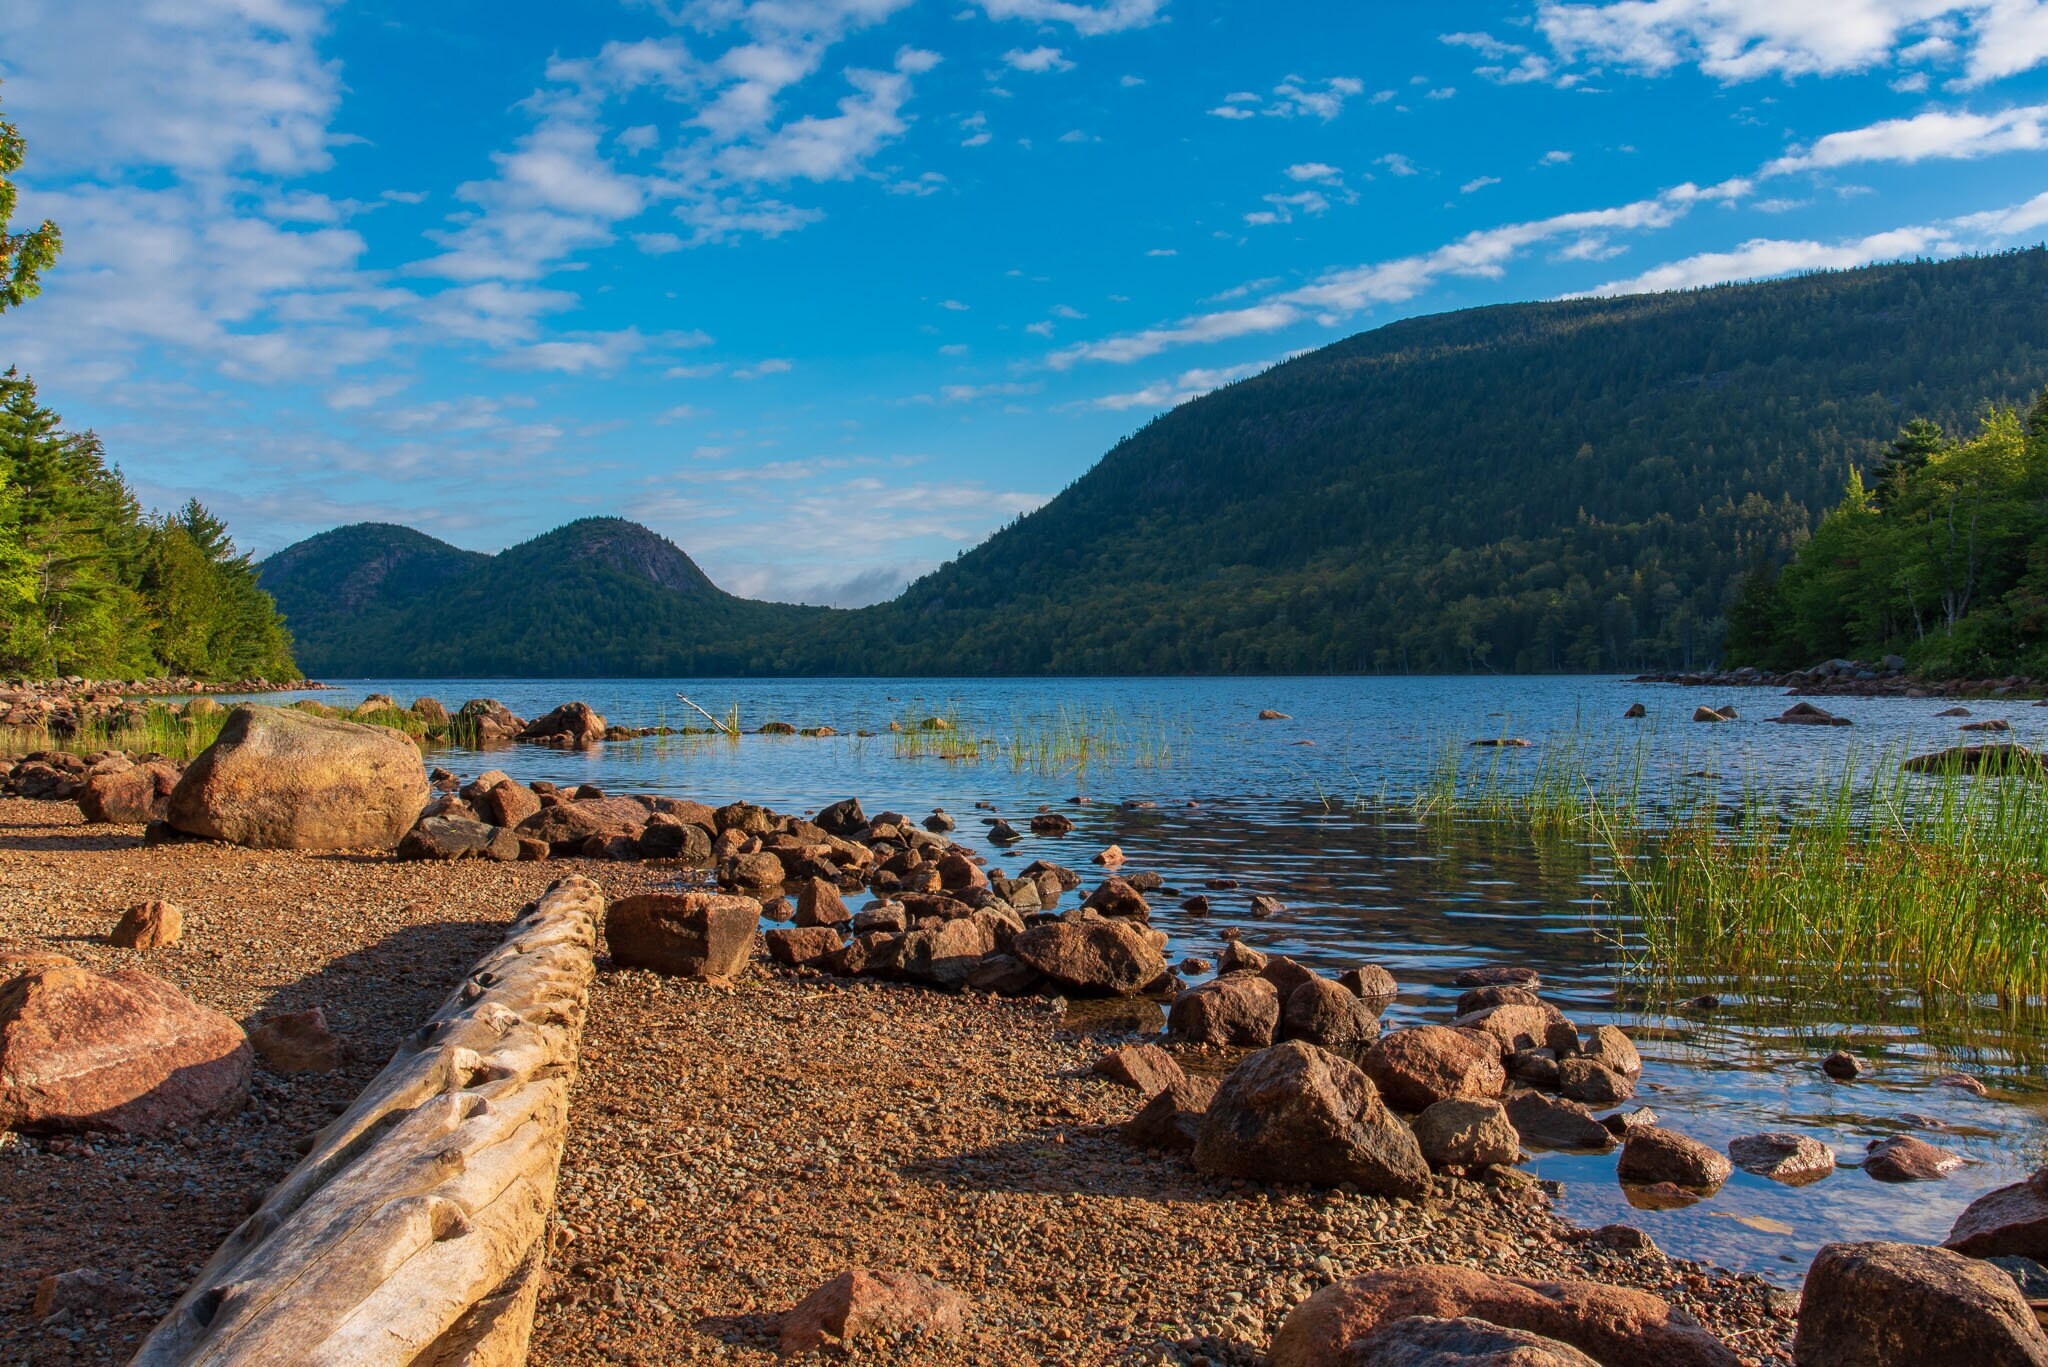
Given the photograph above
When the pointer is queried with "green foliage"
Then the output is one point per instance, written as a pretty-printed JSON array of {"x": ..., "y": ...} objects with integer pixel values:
[
  {"x": 1577, "y": 485},
  {"x": 91, "y": 585},
  {"x": 1942, "y": 564},
  {"x": 24, "y": 256}
]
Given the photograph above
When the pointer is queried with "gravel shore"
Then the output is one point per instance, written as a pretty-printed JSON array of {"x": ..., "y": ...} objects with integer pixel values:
[
  {"x": 730, "y": 1148},
  {"x": 375, "y": 943}
]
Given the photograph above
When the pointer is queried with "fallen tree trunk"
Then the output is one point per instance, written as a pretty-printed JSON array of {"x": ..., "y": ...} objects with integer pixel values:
[{"x": 413, "y": 1231}]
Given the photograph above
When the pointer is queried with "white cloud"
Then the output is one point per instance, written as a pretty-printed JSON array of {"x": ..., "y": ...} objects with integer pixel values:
[
  {"x": 763, "y": 369},
  {"x": 1396, "y": 164},
  {"x": 1189, "y": 384},
  {"x": 1477, "y": 184},
  {"x": 1743, "y": 40},
  {"x": 1762, "y": 258},
  {"x": 1314, "y": 171},
  {"x": 1340, "y": 294},
  {"x": 1109, "y": 16},
  {"x": 1938, "y": 135},
  {"x": 835, "y": 147},
  {"x": 204, "y": 87},
  {"x": 1036, "y": 60},
  {"x": 1556, "y": 158},
  {"x": 1293, "y": 98}
]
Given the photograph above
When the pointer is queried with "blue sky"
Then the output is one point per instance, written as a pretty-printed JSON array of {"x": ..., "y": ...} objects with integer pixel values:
[{"x": 828, "y": 290}]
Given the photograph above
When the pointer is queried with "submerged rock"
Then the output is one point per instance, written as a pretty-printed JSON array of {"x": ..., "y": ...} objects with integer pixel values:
[
  {"x": 1651, "y": 1155},
  {"x": 1793, "y": 1159},
  {"x": 1903, "y": 1158}
]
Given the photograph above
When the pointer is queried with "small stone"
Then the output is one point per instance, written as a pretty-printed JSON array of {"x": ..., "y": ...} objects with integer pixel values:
[
  {"x": 1841, "y": 1065},
  {"x": 1903, "y": 1158},
  {"x": 1651, "y": 1155},
  {"x": 1793, "y": 1159},
  {"x": 149, "y": 925}
]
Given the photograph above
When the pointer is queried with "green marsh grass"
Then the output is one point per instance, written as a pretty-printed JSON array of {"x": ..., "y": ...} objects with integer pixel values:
[{"x": 1870, "y": 885}]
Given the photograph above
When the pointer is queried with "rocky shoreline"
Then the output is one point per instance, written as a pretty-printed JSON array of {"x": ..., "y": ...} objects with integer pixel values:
[
  {"x": 1886, "y": 678},
  {"x": 979, "y": 1118},
  {"x": 67, "y": 706}
]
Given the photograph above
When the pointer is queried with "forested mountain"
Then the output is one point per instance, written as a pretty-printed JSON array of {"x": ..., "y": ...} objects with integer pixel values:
[
  {"x": 90, "y": 584},
  {"x": 1575, "y": 485},
  {"x": 601, "y": 596}
]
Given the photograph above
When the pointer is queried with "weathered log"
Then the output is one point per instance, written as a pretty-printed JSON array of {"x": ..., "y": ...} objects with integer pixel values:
[{"x": 412, "y": 1233}]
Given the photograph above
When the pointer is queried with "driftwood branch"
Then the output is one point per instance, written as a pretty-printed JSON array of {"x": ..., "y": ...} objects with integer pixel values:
[{"x": 413, "y": 1232}]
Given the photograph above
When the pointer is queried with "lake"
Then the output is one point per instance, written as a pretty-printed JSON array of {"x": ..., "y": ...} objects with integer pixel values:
[{"x": 1309, "y": 810}]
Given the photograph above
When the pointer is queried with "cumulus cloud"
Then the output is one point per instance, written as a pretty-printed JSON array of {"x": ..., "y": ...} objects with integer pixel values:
[
  {"x": 1744, "y": 40},
  {"x": 1036, "y": 60},
  {"x": 1108, "y": 16}
]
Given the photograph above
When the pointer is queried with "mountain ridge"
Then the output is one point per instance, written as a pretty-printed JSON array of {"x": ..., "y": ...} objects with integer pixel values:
[{"x": 1570, "y": 485}]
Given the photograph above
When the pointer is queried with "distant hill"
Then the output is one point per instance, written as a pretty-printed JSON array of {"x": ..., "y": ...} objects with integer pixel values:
[
  {"x": 602, "y": 596},
  {"x": 1576, "y": 485}
]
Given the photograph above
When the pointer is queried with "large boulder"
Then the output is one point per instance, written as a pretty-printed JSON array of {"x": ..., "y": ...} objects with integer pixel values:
[
  {"x": 1886, "y": 1304},
  {"x": 486, "y": 721},
  {"x": 1296, "y": 1113},
  {"x": 1613, "y": 1325},
  {"x": 571, "y": 724},
  {"x": 699, "y": 935},
  {"x": 2009, "y": 1222},
  {"x": 1423, "y": 1341},
  {"x": 280, "y": 779},
  {"x": 1092, "y": 954},
  {"x": 567, "y": 826},
  {"x": 860, "y": 1304},
  {"x": 120, "y": 1051},
  {"x": 1241, "y": 1009},
  {"x": 1424, "y": 1064},
  {"x": 133, "y": 796}
]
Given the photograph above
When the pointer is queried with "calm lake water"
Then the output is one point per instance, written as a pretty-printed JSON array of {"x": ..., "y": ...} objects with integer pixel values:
[{"x": 1287, "y": 808}]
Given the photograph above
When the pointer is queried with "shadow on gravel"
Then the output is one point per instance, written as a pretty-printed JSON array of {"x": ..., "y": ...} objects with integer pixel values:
[
  {"x": 742, "y": 1331},
  {"x": 374, "y": 995},
  {"x": 74, "y": 839},
  {"x": 1085, "y": 1165}
]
